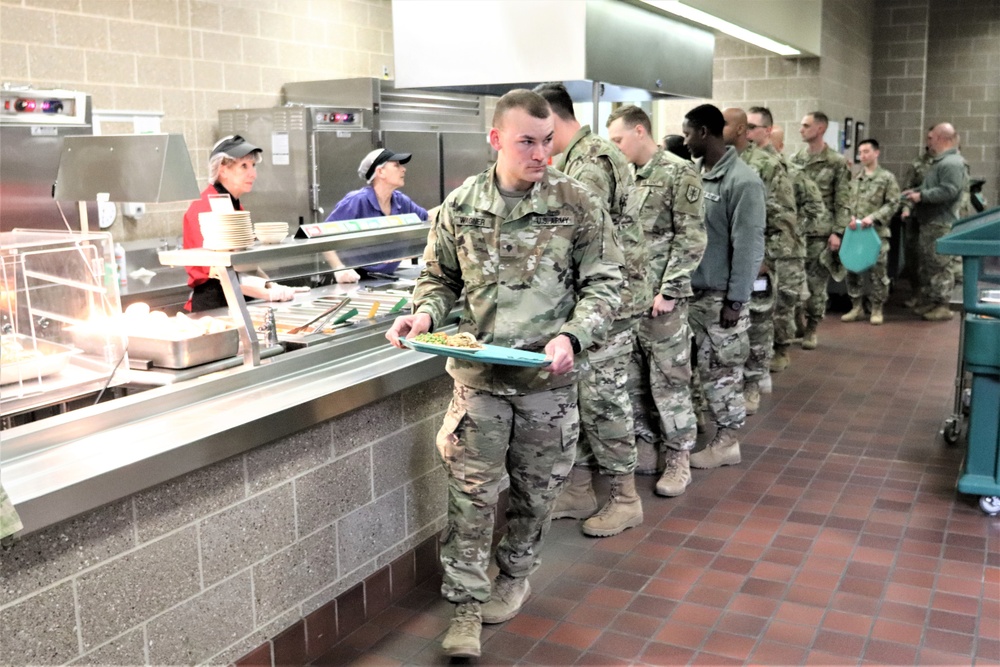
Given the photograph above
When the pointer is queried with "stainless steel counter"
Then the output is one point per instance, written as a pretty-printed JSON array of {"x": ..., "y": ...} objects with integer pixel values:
[{"x": 68, "y": 464}]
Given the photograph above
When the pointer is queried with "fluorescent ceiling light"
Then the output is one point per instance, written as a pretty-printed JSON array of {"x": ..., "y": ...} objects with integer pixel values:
[{"x": 684, "y": 11}]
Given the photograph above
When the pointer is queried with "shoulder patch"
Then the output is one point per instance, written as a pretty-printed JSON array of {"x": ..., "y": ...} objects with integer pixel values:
[{"x": 693, "y": 193}]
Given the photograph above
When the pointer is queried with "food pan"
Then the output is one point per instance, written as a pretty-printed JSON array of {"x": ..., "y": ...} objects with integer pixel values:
[
  {"x": 172, "y": 353},
  {"x": 53, "y": 358}
]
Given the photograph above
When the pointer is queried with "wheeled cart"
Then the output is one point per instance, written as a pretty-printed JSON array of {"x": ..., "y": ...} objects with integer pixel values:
[{"x": 978, "y": 242}]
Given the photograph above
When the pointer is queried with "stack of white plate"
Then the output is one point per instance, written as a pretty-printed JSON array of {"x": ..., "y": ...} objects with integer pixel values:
[
  {"x": 271, "y": 232},
  {"x": 226, "y": 231}
]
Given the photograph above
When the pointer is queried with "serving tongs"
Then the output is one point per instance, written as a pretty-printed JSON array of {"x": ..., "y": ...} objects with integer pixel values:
[{"x": 317, "y": 323}]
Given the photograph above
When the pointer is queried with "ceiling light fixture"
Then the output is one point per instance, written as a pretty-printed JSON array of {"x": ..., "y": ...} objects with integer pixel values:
[{"x": 684, "y": 11}]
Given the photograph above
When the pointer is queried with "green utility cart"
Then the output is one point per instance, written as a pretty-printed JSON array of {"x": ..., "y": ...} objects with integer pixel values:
[{"x": 977, "y": 240}]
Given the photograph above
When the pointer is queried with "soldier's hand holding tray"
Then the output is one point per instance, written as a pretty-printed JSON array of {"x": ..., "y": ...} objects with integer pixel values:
[
  {"x": 559, "y": 351},
  {"x": 408, "y": 326}
]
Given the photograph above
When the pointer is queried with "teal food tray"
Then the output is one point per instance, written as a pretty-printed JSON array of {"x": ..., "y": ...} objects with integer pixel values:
[
  {"x": 488, "y": 354},
  {"x": 859, "y": 249}
]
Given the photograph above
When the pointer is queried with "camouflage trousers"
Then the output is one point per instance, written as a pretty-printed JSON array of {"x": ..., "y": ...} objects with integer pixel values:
[
  {"x": 790, "y": 279},
  {"x": 817, "y": 279},
  {"x": 761, "y": 332},
  {"x": 607, "y": 436},
  {"x": 937, "y": 278},
  {"x": 664, "y": 415},
  {"x": 10, "y": 522},
  {"x": 873, "y": 283},
  {"x": 530, "y": 437},
  {"x": 720, "y": 356}
]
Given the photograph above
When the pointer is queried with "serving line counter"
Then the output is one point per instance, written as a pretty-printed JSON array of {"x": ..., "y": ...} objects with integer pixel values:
[{"x": 62, "y": 466}]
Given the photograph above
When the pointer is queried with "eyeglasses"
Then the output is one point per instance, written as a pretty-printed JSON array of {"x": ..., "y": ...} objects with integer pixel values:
[{"x": 751, "y": 126}]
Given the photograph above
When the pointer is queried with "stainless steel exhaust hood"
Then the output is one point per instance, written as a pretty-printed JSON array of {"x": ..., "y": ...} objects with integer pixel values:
[{"x": 488, "y": 47}]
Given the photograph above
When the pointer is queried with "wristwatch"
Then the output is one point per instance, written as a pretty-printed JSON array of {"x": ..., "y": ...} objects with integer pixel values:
[
  {"x": 735, "y": 305},
  {"x": 574, "y": 342}
]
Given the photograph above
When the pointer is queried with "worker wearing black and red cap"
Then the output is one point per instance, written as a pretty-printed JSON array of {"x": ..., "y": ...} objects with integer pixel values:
[
  {"x": 232, "y": 170},
  {"x": 384, "y": 172}
]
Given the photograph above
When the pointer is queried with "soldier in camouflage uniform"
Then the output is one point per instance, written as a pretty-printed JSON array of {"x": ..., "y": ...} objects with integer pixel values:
[
  {"x": 607, "y": 434},
  {"x": 535, "y": 254},
  {"x": 782, "y": 242},
  {"x": 10, "y": 522},
  {"x": 735, "y": 215},
  {"x": 828, "y": 169},
  {"x": 937, "y": 204},
  {"x": 911, "y": 226},
  {"x": 810, "y": 214},
  {"x": 874, "y": 200},
  {"x": 667, "y": 203}
]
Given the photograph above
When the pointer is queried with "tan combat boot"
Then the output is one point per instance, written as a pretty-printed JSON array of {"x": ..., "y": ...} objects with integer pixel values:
[
  {"x": 938, "y": 314},
  {"x": 857, "y": 312},
  {"x": 751, "y": 396},
  {"x": 877, "y": 318},
  {"x": 648, "y": 460},
  {"x": 462, "y": 639},
  {"x": 506, "y": 598},
  {"x": 922, "y": 308},
  {"x": 724, "y": 450},
  {"x": 781, "y": 360},
  {"x": 676, "y": 474},
  {"x": 577, "y": 500},
  {"x": 623, "y": 509},
  {"x": 809, "y": 340}
]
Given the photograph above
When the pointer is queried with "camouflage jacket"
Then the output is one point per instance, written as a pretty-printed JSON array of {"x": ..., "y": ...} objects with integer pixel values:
[
  {"x": 918, "y": 170},
  {"x": 599, "y": 165},
  {"x": 877, "y": 195},
  {"x": 813, "y": 216},
  {"x": 547, "y": 267},
  {"x": 668, "y": 204},
  {"x": 828, "y": 170},
  {"x": 941, "y": 191},
  {"x": 782, "y": 239}
]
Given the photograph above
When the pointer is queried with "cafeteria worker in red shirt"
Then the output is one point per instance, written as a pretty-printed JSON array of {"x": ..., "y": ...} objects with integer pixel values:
[{"x": 232, "y": 170}]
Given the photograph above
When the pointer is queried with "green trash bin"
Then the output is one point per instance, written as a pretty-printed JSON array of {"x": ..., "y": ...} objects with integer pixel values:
[{"x": 977, "y": 240}]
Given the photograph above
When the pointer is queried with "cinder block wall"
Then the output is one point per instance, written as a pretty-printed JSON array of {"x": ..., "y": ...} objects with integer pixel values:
[
  {"x": 188, "y": 59},
  {"x": 963, "y": 81},
  {"x": 899, "y": 82},
  {"x": 211, "y": 565},
  {"x": 838, "y": 83}
]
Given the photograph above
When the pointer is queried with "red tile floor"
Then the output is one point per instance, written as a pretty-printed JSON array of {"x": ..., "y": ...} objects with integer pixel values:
[{"x": 840, "y": 539}]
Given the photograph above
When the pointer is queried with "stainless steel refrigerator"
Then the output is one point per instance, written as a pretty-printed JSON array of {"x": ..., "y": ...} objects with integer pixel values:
[{"x": 313, "y": 144}]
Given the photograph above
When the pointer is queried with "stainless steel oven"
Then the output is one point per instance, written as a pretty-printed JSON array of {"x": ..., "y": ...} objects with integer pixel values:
[{"x": 33, "y": 123}]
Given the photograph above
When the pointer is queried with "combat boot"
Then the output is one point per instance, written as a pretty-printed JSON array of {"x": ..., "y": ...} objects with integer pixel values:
[
  {"x": 577, "y": 500},
  {"x": 922, "y": 308},
  {"x": 751, "y": 397},
  {"x": 724, "y": 450},
  {"x": 647, "y": 457},
  {"x": 938, "y": 314},
  {"x": 809, "y": 340},
  {"x": 506, "y": 599},
  {"x": 623, "y": 509},
  {"x": 857, "y": 312},
  {"x": 462, "y": 639},
  {"x": 781, "y": 360},
  {"x": 765, "y": 385},
  {"x": 877, "y": 318},
  {"x": 676, "y": 474}
]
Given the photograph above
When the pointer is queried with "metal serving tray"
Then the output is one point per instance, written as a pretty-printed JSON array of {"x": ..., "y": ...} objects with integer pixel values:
[
  {"x": 172, "y": 353},
  {"x": 52, "y": 358}
]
